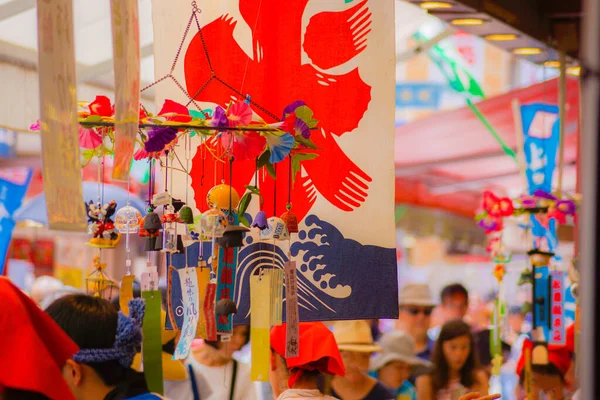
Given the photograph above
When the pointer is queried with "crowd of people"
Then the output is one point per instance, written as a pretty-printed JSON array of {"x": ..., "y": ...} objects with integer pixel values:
[{"x": 82, "y": 347}]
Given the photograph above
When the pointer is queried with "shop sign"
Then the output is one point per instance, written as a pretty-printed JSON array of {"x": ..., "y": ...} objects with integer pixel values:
[{"x": 557, "y": 309}]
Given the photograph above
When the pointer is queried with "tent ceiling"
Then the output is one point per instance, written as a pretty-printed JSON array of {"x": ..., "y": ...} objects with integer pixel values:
[
  {"x": 452, "y": 152},
  {"x": 93, "y": 44}
]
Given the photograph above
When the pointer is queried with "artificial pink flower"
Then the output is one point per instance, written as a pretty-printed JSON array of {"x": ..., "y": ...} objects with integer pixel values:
[
  {"x": 239, "y": 114},
  {"x": 88, "y": 138},
  {"x": 243, "y": 145}
]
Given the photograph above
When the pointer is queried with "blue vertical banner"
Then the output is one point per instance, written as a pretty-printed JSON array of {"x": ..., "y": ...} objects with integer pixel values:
[
  {"x": 8, "y": 140},
  {"x": 13, "y": 187},
  {"x": 541, "y": 138}
]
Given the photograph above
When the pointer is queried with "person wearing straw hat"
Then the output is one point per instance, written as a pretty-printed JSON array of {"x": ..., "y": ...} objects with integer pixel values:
[
  {"x": 416, "y": 306},
  {"x": 356, "y": 345},
  {"x": 396, "y": 363}
]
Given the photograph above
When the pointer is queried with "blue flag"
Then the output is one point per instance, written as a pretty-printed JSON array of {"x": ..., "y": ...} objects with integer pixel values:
[
  {"x": 541, "y": 141},
  {"x": 13, "y": 186}
]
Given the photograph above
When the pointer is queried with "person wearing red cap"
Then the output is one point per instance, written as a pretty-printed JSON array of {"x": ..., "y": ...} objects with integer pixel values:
[
  {"x": 33, "y": 349},
  {"x": 296, "y": 377},
  {"x": 547, "y": 381}
]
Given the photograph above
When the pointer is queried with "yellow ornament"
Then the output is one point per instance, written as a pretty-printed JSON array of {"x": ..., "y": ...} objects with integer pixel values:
[
  {"x": 499, "y": 272},
  {"x": 497, "y": 365},
  {"x": 220, "y": 196}
]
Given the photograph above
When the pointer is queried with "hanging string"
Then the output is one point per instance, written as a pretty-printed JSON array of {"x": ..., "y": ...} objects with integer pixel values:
[
  {"x": 275, "y": 191},
  {"x": 150, "y": 182},
  {"x": 230, "y": 186},
  {"x": 166, "y": 169},
  {"x": 290, "y": 182},
  {"x": 127, "y": 248}
]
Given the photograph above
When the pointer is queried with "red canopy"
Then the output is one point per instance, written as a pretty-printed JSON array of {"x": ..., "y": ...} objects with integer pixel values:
[{"x": 447, "y": 159}]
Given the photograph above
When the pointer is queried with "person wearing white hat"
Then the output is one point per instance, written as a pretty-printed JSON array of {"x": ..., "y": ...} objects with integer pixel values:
[
  {"x": 356, "y": 346},
  {"x": 416, "y": 306},
  {"x": 396, "y": 363}
]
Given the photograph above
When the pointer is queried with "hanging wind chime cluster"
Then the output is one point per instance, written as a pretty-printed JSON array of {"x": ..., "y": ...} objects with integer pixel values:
[
  {"x": 200, "y": 295},
  {"x": 540, "y": 212}
]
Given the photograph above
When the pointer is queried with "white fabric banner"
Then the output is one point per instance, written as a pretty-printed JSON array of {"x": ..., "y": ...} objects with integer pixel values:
[{"x": 339, "y": 58}]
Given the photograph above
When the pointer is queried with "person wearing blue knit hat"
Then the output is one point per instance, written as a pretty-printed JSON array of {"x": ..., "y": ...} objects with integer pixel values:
[{"x": 108, "y": 342}]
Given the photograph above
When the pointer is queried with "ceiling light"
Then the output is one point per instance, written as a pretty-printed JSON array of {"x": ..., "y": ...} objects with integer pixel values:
[
  {"x": 527, "y": 51},
  {"x": 574, "y": 70},
  {"x": 435, "y": 5},
  {"x": 500, "y": 37},
  {"x": 552, "y": 64},
  {"x": 467, "y": 21}
]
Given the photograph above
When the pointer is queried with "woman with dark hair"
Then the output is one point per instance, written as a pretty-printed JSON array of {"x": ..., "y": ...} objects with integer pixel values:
[
  {"x": 217, "y": 374},
  {"x": 108, "y": 341},
  {"x": 456, "y": 370}
]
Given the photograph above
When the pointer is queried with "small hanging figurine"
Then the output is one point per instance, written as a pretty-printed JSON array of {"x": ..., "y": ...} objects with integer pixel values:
[
  {"x": 150, "y": 229},
  {"x": 233, "y": 236},
  {"x": 98, "y": 284},
  {"x": 290, "y": 219},
  {"x": 169, "y": 220},
  {"x": 101, "y": 226}
]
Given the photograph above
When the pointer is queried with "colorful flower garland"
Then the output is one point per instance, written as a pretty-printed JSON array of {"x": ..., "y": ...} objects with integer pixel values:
[{"x": 240, "y": 132}]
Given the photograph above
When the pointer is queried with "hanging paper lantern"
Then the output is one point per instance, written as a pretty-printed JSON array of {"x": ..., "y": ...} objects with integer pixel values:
[
  {"x": 290, "y": 220},
  {"x": 220, "y": 195},
  {"x": 260, "y": 221},
  {"x": 186, "y": 216},
  {"x": 213, "y": 223},
  {"x": 127, "y": 220},
  {"x": 276, "y": 230}
]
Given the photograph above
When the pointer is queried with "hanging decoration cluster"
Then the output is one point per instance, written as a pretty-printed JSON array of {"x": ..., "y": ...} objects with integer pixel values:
[
  {"x": 547, "y": 281},
  {"x": 237, "y": 129}
]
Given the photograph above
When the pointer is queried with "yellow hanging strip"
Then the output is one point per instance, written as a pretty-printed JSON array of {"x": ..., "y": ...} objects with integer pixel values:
[{"x": 260, "y": 315}]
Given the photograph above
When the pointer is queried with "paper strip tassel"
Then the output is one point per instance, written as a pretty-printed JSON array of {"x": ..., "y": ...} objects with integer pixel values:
[
  {"x": 152, "y": 343},
  {"x": 260, "y": 315},
  {"x": 61, "y": 166},
  {"x": 203, "y": 276},
  {"x": 126, "y": 293},
  {"x": 189, "y": 284},
  {"x": 291, "y": 310},
  {"x": 126, "y": 56}
]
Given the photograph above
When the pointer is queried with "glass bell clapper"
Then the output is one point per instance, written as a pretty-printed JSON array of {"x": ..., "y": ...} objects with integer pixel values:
[{"x": 169, "y": 220}]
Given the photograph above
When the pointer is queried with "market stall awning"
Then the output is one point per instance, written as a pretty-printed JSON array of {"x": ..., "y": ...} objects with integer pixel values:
[{"x": 447, "y": 159}]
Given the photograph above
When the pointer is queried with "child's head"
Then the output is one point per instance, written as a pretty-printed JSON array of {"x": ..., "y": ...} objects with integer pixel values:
[
  {"x": 396, "y": 362},
  {"x": 454, "y": 354},
  {"x": 547, "y": 381},
  {"x": 108, "y": 341}
]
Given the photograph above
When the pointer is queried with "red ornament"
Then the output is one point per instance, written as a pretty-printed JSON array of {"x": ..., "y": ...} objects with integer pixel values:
[{"x": 290, "y": 220}]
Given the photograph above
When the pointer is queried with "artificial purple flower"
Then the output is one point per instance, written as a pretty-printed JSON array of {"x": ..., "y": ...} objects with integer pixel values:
[
  {"x": 490, "y": 224},
  {"x": 159, "y": 138},
  {"x": 541, "y": 194},
  {"x": 260, "y": 221},
  {"x": 566, "y": 207},
  {"x": 527, "y": 202},
  {"x": 290, "y": 109},
  {"x": 301, "y": 128},
  {"x": 219, "y": 118}
]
